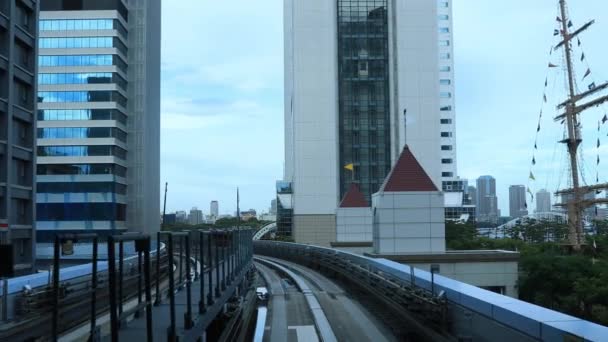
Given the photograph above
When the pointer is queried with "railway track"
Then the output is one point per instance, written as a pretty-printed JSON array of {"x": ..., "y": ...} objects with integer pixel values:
[
  {"x": 34, "y": 323},
  {"x": 321, "y": 323}
]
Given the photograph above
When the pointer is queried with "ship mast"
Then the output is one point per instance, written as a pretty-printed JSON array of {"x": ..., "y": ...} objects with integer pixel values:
[
  {"x": 575, "y": 221},
  {"x": 576, "y": 203}
]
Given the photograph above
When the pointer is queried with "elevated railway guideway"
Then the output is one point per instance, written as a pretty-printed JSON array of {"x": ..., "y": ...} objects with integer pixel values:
[
  {"x": 184, "y": 286},
  {"x": 430, "y": 307},
  {"x": 336, "y": 315},
  {"x": 265, "y": 230}
]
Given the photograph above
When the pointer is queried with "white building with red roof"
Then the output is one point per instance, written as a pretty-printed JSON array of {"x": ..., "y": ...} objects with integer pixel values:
[
  {"x": 354, "y": 218},
  {"x": 408, "y": 211}
]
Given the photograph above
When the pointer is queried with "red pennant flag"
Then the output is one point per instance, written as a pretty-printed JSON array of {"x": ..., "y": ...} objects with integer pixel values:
[
  {"x": 551, "y": 65},
  {"x": 558, "y": 19}
]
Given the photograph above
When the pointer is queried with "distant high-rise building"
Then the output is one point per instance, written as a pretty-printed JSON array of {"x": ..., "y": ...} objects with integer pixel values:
[
  {"x": 543, "y": 201},
  {"x": 458, "y": 206},
  {"x": 380, "y": 77},
  {"x": 98, "y": 116},
  {"x": 487, "y": 202},
  {"x": 248, "y": 214},
  {"x": 517, "y": 201},
  {"x": 273, "y": 207},
  {"x": 472, "y": 194},
  {"x": 214, "y": 209},
  {"x": 196, "y": 216},
  {"x": 18, "y": 32},
  {"x": 170, "y": 219},
  {"x": 181, "y": 216}
]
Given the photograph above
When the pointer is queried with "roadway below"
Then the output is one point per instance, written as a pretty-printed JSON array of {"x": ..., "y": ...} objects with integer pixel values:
[{"x": 290, "y": 316}]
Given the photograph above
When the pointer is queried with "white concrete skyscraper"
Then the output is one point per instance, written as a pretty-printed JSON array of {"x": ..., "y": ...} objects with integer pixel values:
[
  {"x": 99, "y": 116},
  {"x": 362, "y": 79}
]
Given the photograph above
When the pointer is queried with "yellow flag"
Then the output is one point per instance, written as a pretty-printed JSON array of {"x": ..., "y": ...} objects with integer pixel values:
[{"x": 350, "y": 167}]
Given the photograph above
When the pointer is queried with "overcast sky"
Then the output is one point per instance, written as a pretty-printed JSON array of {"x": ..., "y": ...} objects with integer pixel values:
[{"x": 222, "y": 96}]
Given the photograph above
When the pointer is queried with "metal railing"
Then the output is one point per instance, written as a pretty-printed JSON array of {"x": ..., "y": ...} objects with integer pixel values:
[
  {"x": 472, "y": 311},
  {"x": 122, "y": 286},
  {"x": 117, "y": 314},
  {"x": 68, "y": 240}
]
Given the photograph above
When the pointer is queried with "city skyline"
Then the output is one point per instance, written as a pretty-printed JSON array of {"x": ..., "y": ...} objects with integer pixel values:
[{"x": 239, "y": 92}]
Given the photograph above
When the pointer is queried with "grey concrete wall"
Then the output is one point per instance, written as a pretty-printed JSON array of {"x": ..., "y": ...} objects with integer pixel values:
[
  {"x": 143, "y": 207},
  {"x": 317, "y": 230}
]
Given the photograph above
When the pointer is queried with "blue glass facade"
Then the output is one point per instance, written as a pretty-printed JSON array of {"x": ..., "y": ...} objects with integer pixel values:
[
  {"x": 81, "y": 133},
  {"x": 82, "y": 96},
  {"x": 363, "y": 93},
  {"x": 96, "y": 191},
  {"x": 81, "y": 114},
  {"x": 82, "y": 25},
  {"x": 82, "y": 78},
  {"x": 74, "y": 60},
  {"x": 82, "y": 60},
  {"x": 82, "y": 151},
  {"x": 82, "y": 43}
]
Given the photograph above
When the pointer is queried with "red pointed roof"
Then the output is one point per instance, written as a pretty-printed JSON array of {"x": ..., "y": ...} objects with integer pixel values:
[
  {"x": 354, "y": 198},
  {"x": 407, "y": 175}
]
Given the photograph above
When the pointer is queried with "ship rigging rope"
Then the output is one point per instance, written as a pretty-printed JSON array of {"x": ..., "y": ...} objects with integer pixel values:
[
  {"x": 532, "y": 177},
  {"x": 604, "y": 116},
  {"x": 575, "y": 44}
]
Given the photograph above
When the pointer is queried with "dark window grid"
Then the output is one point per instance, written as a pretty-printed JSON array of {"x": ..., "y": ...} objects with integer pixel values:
[
  {"x": 81, "y": 187},
  {"x": 362, "y": 37},
  {"x": 80, "y": 212},
  {"x": 81, "y": 169},
  {"x": 81, "y": 151}
]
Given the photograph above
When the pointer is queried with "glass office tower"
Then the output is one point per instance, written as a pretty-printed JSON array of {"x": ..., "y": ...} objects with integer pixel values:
[{"x": 98, "y": 117}]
